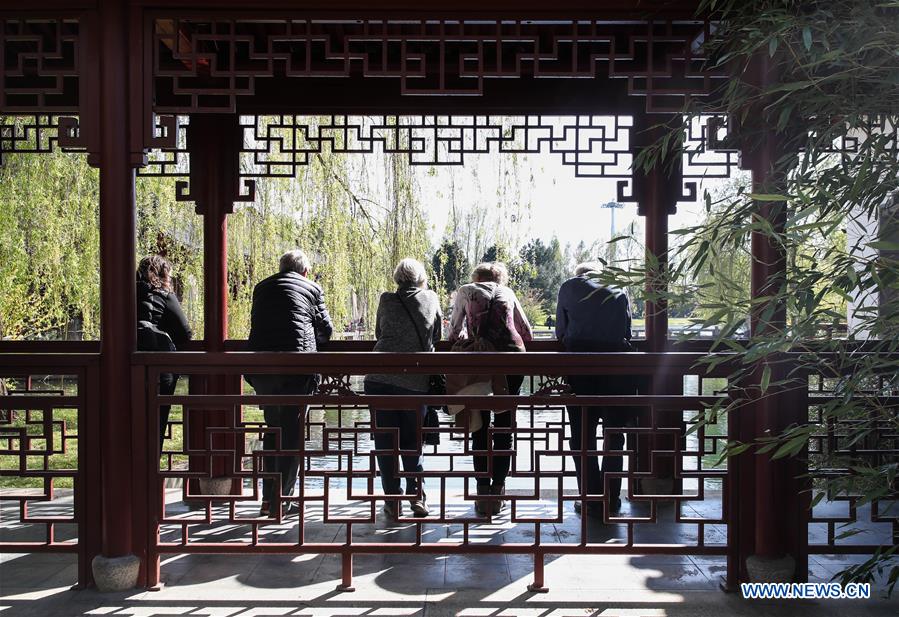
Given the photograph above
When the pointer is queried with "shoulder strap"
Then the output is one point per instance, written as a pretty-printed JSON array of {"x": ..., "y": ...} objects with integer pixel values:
[{"x": 421, "y": 341}]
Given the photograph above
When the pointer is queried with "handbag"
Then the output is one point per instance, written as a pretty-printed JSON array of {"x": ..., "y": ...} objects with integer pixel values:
[
  {"x": 436, "y": 385},
  {"x": 151, "y": 338}
]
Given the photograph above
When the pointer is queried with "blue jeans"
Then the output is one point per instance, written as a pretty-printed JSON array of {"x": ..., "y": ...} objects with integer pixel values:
[{"x": 407, "y": 421}]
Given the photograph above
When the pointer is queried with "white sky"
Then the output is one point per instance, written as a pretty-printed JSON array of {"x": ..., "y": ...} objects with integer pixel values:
[{"x": 561, "y": 204}]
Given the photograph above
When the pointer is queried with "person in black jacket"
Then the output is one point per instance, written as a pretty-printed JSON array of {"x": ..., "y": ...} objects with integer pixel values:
[
  {"x": 161, "y": 324},
  {"x": 288, "y": 314},
  {"x": 593, "y": 317}
]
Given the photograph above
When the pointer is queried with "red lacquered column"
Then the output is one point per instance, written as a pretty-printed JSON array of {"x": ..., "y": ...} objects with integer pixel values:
[
  {"x": 657, "y": 191},
  {"x": 779, "y": 539},
  {"x": 117, "y": 295},
  {"x": 214, "y": 143}
]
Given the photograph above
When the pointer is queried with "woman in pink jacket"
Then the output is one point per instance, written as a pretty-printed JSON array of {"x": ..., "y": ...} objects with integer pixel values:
[{"x": 488, "y": 309}]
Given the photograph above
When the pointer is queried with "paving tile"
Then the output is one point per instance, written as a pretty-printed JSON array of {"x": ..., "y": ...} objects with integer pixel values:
[
  {"x": 25, "y": 573},
  {"x": 714, "y": 560},
  {"x": 208, "y": 569},
  {"x": 468, "y": 579},
  {"x": 281, "y": 571}
]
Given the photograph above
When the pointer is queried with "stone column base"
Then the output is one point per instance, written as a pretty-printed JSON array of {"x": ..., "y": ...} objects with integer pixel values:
[
  {"x": 215, "y": 486},
  {"x": 115, "y": 573},
  {"x": 771, "y": 569},
  {"x": 656, "y": 486}
]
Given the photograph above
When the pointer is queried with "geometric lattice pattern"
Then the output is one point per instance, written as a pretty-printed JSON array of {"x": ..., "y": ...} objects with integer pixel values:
[
  {"x": 707, "y": 153},
  {"x": 841, "y": 521},
  {"x": 41, "y": 65},
  {"x": 207, "y": 64},
  {"x": 39, "y": 465},
  {"x": 39, "y": 134},
  {"x": 595, "y": 146},
  {"x": 673, "y": 480}
]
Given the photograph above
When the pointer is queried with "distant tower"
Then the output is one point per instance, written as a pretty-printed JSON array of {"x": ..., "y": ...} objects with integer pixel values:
[{"x": 612, "y": 206}]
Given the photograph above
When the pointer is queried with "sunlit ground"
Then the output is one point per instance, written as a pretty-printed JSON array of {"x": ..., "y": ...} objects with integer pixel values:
[{"x": 418, "y": 585}]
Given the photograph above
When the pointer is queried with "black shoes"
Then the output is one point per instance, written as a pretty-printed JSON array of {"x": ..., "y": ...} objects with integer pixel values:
[
  {"x": 594, "y": 508},
  {"x": 490, "y": 507}
]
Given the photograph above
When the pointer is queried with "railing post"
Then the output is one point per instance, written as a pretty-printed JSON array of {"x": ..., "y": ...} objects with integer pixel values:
[
  {"x": 539, "y": 584},
  {"x": 146, "y": 462},
  {"x": 89, "y": 495},
  {"x": 346, "y": 581}
]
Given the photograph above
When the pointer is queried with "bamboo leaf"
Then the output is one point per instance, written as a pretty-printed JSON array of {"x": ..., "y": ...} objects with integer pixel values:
[{"x": 767, "y": 197}]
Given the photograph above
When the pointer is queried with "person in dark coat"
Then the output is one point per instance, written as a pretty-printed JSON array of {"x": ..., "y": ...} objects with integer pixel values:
[
  {"x": 593, "y": 317},
  {"x": 288, "y": 314},
  {"x": 161, "y": 324}
]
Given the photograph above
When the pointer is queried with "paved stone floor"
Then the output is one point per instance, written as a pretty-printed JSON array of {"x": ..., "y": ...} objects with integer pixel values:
[
  {"x": 39, "y": 585},
  {"x": 414, "y": 585}
]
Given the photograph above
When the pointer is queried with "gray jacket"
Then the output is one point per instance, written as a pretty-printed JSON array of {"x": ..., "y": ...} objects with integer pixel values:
[{"x": 394, "y": 331}]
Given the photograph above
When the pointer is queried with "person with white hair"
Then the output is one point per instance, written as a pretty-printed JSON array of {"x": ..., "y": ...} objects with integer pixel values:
[
  {"x": 288, "y": 314},
  {"x": 408, "y": 321},
  {"x": 488, "y": 311},
  {"x": 594, "y": 317}
]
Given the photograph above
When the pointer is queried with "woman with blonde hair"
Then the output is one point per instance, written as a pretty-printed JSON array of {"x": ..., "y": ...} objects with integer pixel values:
[{"x": 487, "y": 316}]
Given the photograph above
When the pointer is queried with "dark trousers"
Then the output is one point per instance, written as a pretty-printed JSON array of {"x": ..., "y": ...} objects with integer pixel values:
[
  {"x": 406, "y": 423},
  {"x": 287, "y": 418},
  {"x": 167, "y": 383},
  {"x": 584, "y": 422},
  {"x": 501, "y": 440}
]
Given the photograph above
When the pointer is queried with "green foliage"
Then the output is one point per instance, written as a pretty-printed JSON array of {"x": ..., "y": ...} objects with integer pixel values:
[
  {"x": 545, "y": 269},
  {"x": 353, "y": 235},
  {"x": 534, "y": 306},
  {"x": 49, "y": 250},
  {"x": 174, "y": 230},
  {"x": 450, "y": 267},
  {"x": 830, "y": 79},
  {"x": 49, "y": 242}
]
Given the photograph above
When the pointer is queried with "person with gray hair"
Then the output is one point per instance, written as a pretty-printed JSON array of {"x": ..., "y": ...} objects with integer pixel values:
[
  {"x": 488, "y": 309},
  {"x": 408, "y": 321},
  {"x": 594, "y": 317},
  {"x": 294, "y": 261},
  {"x": 587, "y": 267},
  {"x": 288, "y": 314}
]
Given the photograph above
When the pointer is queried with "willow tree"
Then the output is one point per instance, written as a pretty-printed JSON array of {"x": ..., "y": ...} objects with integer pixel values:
[
  {"x": 355, "y": 220},
  {"x": 49, "y": 246}
]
